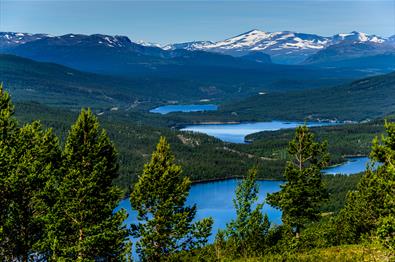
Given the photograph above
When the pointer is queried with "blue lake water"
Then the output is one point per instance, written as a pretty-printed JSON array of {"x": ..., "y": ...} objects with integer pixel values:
[
  {"x": 215, "y": 199},
  {"x": 354, "y": 165},
  {"x": 236, "y": 133},
  {"x": 183, "y": 108}
]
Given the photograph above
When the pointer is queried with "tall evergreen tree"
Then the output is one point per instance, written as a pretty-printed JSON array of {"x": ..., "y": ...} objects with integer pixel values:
[
  {"x": 82, "y": 225},
  {"x": 29, "y": 156},
  {"x": 246, "y": 235},
  {"x": 372, "y": 206},
  {"x": 8, "y": 131},
  {"x": 35, "y": 159},
  {"x": 159, "y": 197},
  {"x": 300, "y": 196}
]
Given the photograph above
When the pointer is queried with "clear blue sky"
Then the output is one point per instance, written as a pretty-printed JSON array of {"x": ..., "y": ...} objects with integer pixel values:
[{"x": 186, "y": 20}]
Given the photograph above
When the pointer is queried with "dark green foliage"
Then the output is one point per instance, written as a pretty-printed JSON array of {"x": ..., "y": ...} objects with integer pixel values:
[
  {"x": 30, "y": 156},
  {"x": 372, "y": 204},
  {"x": 37, "y": 157},
  {"x": 8, "y": 132},
  {"x": 135, "y": 135},
  {"x": 338, "y": 187},
  {"x": 246, "y": 236},
  {"x": 343, "y": 140},
  {"x": 159, "y": 196},
  {"x": 386, "y": 231},
  {"x": 82, "y": 225},
  {"x": 203, "y": 157},
  {"x": 363, "y": 99},
  {"x": 300, "y": 197}
]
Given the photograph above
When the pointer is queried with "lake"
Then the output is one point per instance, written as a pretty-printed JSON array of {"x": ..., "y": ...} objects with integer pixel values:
[
  {"x": 353, "y": 165},
  {"x": 183, "y": 108},
  {"x": 215, "y": 198},
  {"x": 236, "y": 133}
]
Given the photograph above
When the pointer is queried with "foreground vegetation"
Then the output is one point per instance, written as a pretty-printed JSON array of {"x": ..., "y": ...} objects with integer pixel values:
[{"x": 57, "y": 203}]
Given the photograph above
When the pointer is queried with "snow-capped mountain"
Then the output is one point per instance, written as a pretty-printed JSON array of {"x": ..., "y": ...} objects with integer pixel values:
[
  {"x": 283, "y": 47},
  {"x": 89, "y": 40},
  {"x": 10, "y": 39},
  {"x": 148, "y": 44},
  {"x": 195, "y": 45},
  {"x": 357, "y": 37}
]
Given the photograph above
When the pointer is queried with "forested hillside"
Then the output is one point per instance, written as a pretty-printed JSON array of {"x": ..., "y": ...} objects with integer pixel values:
[
  {"x": 66, "y": 191},
  {"x": 202, "y": 156},
  {"x": 364, "y": 99}
]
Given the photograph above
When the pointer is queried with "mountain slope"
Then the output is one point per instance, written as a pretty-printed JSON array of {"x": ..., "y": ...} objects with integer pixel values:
[
  {"x": 58, "y": 85},
  {"x": 208, "y": 75},
  {"x": 368, "y": 98},
  {"x": 11, "y": 39},
  {"x": 350, "y": 50},
  {"x": 284, "y": 47}
]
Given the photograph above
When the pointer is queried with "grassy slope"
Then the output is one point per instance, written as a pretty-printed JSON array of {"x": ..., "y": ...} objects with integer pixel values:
[{"x": 346, "y": 253}]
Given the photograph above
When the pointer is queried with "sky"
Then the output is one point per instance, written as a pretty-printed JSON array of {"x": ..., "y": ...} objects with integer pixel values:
[{"x": 163, "y": 21}]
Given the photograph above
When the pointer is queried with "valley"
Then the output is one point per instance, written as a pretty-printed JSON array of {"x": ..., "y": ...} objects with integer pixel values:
[{"x": 224, "y": 107}]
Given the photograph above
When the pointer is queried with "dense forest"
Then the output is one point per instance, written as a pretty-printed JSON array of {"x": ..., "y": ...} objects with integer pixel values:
[
  {"x": 202, "y": 157},
  {"x": 60, "y": 190},
  {"x": 361, "y": 100}
]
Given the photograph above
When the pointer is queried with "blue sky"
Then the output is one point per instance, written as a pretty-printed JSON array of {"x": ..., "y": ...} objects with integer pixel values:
[{"x": 186, "y": 20}]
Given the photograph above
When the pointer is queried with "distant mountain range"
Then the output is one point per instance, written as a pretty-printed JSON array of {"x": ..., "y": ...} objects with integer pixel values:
[
  {"x": 214, "y": 75},
  {"x": 283, "y": 47},
  {"x": 293, "y": 48}
]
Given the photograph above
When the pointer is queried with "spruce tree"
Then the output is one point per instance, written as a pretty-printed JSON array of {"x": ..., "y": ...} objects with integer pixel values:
[
  {"x": 29, "y": 157},
  {"x": 246, "y": 235},
  {"x": 8, "y": 130},
  {"x": 372, "y": 206},
  {"x": 302, "y": 193},
  {"x": 82, "y": 225},
  {"x": 159, "y": 197},
  {"x": 35, "y": 159}
]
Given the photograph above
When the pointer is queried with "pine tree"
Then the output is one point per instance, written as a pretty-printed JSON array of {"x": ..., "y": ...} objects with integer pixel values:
[
  {"x": 301, "y": 195},
  {"x": 372, "y": 206},
  {"x": 30, "y": 156},
  {"x": 159, "y": 197},
  {"x": 35, "y": 159},
  {"x": 246, "y": 235},
  {"x": 8, "y": 130},
  {"x": 82, "y": 225}
]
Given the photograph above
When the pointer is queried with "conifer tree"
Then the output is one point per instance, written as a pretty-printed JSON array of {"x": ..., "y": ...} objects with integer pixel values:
[
  {"x": 372, "y": 206},
  {"x": 246, "y": 235},
  {"x": 29, "y": 157},
  {"x": 35, "y": 159},
  {"x": 159, "y": 197},
  {"x": 301, "y": 195},
  {"x": 8, "y": 130},
  {"x": 82, "y": 225}
]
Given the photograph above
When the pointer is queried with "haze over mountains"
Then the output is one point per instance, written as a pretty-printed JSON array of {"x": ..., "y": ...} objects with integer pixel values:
[
  {"x": 120, "y": 73},
  {"x": 284, "y": 47},
  {"x": 196, "y": 74},
  {"x": 287, "y": 47}
]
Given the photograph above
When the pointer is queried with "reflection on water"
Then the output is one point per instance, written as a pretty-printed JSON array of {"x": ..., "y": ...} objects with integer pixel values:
[
  {"x": 236, "y": 133},
  {"x": 214, "y": 199},
  {"x": 353, "y": 165},
  {"x": 183, "y": 108}
]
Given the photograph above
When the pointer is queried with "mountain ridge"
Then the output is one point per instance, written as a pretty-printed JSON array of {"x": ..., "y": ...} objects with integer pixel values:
[{"x": 286, "y": 47}]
